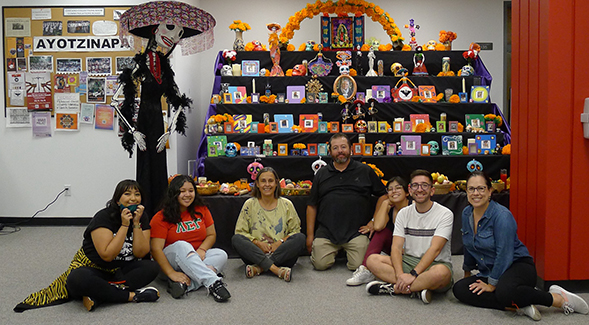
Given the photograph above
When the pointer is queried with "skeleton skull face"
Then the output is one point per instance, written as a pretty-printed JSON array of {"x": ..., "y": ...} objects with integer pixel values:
[
  {"x": 344, "y": 69},
  {"x": 431, "y": 45},
  {"x": 467, "y": 70},
  {"x": 361, "y": 126},
  {"x": 309, "y": 45},
  {"x": 395, "y": 67},
  {"x": 257, "y": 46},
  {"x": 231, "y": 150},
  {"x": 434, "y": 147},
  {"x": 299, "y": 70},
  {"x": 379, "y": 147},
  {"x": 167, "y": 36},
  {"x": 226, "y": 71},
  {"x": 375, "y": 45}
]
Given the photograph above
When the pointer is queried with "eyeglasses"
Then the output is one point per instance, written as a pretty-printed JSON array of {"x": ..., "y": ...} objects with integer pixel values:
[
  {"x": 395, "y": 189},
  {"x": 480, "y": 189},
  {"x": 424, "y": 186}
]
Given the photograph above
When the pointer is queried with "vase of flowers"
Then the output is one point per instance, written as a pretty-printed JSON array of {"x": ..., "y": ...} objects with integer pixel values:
[
  {"x": 446, "y": 38},
  {"x": 239, "y": 27}
]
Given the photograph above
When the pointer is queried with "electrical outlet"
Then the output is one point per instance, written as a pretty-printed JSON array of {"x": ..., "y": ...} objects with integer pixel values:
[{"x": 68, "y": 190}]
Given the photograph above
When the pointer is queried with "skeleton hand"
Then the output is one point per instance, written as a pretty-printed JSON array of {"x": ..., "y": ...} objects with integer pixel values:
[
  {"x": 161, "y": 142},
  {"x": 139, "y": 139}
]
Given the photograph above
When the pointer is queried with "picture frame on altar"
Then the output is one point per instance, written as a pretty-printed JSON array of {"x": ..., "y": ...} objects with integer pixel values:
[
  {"x": 367, "y": 149},
  {"x": 322, "y": 149},
  {"x": 472, "y": 149},
  {"x": 427, "y": 93},
  {"x": 250, "y": 68},
  {"x": 228, "y": 127},
  {"x": 334, "y": 127},
  {"x": 227, "y": 98},
  {"x": 441, "y": 126},
  {"x": 322, "y": 127},
  {"x": 453, "y": 126},
  {"x": 382, "y": 127},
  {"x": 380, "y": 92},
  {"x": 391, "y": 149},
  {"x": 372, "y": 126},
  {"x": 285, "y": 122},
  {"x": 361, "y": 96},
  {"x": 295, "y": 94},
  {"x": 312, "y": 149},
  {"x": 323, "y": 98},
  {"x": 490, "y": 126},
  {"x": 280, "y": 97},
  {"x": 407, "y": 126},
  {"x": 255, "y": 98},
  {"x": 463, "y": 97},
  {"x": 254, "y": 127},
  {"x": 398, "y": 126},
  {"x": 311, "y": 98},
  {"x": 357, "y": 149},
  {"x": 342, "y": 33},
  {"x": 425, "y": 149},
  {"x": 273, "y": 127},
  {"x": 345, "y": 86},
  {"x": 347, "y": 128},
  {"x": 479, "y": 94},
  {"x": 282, "y": 149}
]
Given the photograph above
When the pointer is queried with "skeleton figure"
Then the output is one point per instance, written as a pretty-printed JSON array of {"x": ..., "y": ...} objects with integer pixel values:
[{"x": 145, "y": 125}]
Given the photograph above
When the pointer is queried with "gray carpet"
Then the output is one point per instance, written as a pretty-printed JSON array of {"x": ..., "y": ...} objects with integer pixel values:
[{"x": 35, "y": 256}]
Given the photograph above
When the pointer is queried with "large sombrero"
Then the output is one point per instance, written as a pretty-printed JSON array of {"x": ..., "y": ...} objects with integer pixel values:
[{"x": 198, "y": 24}]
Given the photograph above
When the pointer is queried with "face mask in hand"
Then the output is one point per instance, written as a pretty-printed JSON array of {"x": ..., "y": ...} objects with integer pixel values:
[{"x": 131, "y": 208}]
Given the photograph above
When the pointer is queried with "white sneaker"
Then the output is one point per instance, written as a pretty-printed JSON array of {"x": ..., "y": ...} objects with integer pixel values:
[
  {"x": 361, "y": 275},
  {"x": 426, "y": 296},
  {"x": 572, "y": 302},
  {"x": 530, "y": 311}
]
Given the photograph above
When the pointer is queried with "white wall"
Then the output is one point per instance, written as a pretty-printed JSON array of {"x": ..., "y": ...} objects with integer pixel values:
[{"x": 33, "y": 171}]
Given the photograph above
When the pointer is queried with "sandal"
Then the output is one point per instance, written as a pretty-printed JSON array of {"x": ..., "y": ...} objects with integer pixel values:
[
  {"x": 285, "y": 273},
  {"x": 252, "y": 270}
]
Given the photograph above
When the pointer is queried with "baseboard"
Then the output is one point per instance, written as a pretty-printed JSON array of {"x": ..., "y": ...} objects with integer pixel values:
[{"x": 75, "y": 221}]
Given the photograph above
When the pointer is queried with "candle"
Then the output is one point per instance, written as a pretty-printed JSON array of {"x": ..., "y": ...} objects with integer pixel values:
[
  {"x": 463, "y": 86},
  {"x": 254, "y": 86}
]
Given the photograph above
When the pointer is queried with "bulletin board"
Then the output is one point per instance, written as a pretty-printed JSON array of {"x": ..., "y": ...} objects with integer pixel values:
[{"x": 62, "y": 59}]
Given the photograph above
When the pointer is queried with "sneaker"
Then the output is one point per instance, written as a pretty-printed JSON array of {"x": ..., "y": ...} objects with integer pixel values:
[
  {"x": 530, "y": 311},
  {"x": 219, "y": 292},
  {"x": 572, "y": 302},
  {"x": 380, "y": 288},
  {"x": 89, "y": 303},
  {"x": 146, "y": 294},
  {"x": 177, "y": 289},
  {"x": 361, "y": 275},
  {"x": 426, "y": 296}
]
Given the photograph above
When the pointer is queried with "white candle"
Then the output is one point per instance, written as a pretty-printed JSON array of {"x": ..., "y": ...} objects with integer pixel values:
[
  {"x": 463, "y": 86},
  {"x": 253, "y": 86}
]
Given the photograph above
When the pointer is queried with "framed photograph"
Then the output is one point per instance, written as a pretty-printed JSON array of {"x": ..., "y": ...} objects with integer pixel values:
[
  {"x": 123, "y": 62},
  {"x": 309, "y": 122},
  {"x": 227, "y": 98},
  {"x": 228, "y": 127},
  {"x": 72, "y": 65},
  {"x": 418, "y": 119},
  {"x": 96, "y": 90},
  {"x": 255, "y": 98},
  {"x": 311, "y": 98},
  {"x": 382, "y": 127},
  {"x": 242, "y": 123},
  {"x": 361, "y": 96},
  {"x": 283, "y": 149},
  {"x": 425, "y": 149},
  {"x": 251, "y": 144},
  {"x": 411, "y": 145},
  {"x": 312, "y": 148},
  {"x": 357, "y": 149},
  {"x": 250, "y": 68},
  {"x": 367, "y": 149},
  {"x": 322, "y": 149},
  {"x": 397, "y": 126},
  {"x": 472, "y": 149},
  {"x": 451, "y": 145},
  {"x": 212, "y": 150},
  {"x": 347, "y": 128},
  {"x": 427, "y": 94},
  {"x": 254, "y": 128},
  {"x": 345, "y": 85},
  {"x": 490, "y": 126},
  {"x": 476, "y": 121},
  {"x": 453, "y": 126},
  {"x": 342, "y": 33},
  {"x": 322, "y": 127},
  {"x": 333, "y": 127},
  {"x": 372, "y": 126},
  {"x": 281, "y": 97},
  {"x": 295, "y": 94},
  {"x": 239, "y": 94},
  {"x": 463, "y": 97},
  {"x": 323, "y": 98},
  {"x": 407, "y": 126},
  {"x": 380, "y": 92},
  {"x": 285, "y": 122},
  {"x": 485, "y": 143},
  {"x": 441, "y": 126},
  {"x": 479, "y": 94},
  {"x": 391, "y": 149},
  {"x": 273, "y": 127}
]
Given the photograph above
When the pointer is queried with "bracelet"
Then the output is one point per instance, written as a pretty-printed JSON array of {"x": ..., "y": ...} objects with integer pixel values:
[
  {"x": 122, "y": 225},
  {"x": 137, "y": 226}
]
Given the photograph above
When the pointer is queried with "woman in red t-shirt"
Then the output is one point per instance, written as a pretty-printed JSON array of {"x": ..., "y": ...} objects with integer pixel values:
[{"x": 182, "y": 235}]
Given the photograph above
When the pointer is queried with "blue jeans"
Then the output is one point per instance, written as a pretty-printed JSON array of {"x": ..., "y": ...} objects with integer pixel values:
[{"x": 183, "y": 257}]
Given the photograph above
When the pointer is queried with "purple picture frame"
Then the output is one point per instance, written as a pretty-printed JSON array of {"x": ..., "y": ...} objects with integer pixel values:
[
  {"x": 411, "y": 145},
  {"x": 295, "y": 94}
]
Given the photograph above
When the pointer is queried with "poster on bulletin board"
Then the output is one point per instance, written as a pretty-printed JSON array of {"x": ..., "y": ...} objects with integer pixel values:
[{"x": 52, "y": 51}]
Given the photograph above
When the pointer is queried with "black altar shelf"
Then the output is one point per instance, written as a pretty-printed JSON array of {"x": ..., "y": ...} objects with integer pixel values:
[
  {"x": 230, "y": 169},
  {"x": 225, "y": 211}
]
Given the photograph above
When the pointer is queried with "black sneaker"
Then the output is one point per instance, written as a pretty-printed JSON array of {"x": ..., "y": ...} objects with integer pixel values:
[
  {"x": 146, "y": 294},
  {"x": 219, "y": 292},
  {"x": 177, "y": 289},
  {"x": 380, "y": 288}
]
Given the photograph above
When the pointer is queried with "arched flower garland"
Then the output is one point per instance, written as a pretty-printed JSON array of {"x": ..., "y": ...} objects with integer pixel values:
[{"x": 342, "y": 8}]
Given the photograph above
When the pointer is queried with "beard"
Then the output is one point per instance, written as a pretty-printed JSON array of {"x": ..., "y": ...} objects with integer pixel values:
[{"x": 340, "y": 160}]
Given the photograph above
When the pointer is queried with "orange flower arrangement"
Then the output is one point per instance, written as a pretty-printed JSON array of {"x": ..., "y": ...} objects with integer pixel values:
[
  {"x": 460, "y": 127},
  {"x": 416, "y": 99},
  {"x": 299, "y": 146},
  {"x": 464, "y": 150},
  {"x": 268, "y": 99},
  {"x": 506, "y": 150},
  {"x": 447, "y": 36},
  {"x": 296, "y": 129},
  {"x": 239, "y": 26},
  {"x": 440, "y": 97}
]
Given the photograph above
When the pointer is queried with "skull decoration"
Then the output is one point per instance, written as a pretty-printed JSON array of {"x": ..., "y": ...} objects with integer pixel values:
[
  {"x": 231, "y": 150},
  {"x": 375, "y": 44},
  {"x": 344, "y": 69},
  {"x": 254, "y": 168},
  {"x": 309, "y": 45},
  {"x": 299, "y": 70},
  {"x": 398, "y": 70},
  {"x": 431, "y": 45},
  {"x": 379, "y": 147},
  {"x": 474, "y": 165},
  {"x": 257, "y": 46},
  {"x": 361, "y": 126},
  {"x": 167, "y": 36},
  {"x": 226, "y": 71},
  {"x": 318, "y": 164},
  {"x": 467, "y": 70},
  {"x": 434, "y": 147}
]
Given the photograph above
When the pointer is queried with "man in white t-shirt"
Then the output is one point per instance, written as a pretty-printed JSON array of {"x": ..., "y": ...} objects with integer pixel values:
[{"x": 420, "y": 260}]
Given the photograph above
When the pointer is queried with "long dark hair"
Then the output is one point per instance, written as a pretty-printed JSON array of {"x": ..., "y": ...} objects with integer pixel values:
[
  {"x": 122, "y": 187},
  {"x": 256, "y": 191},
  {"x": 171, "y": 205}
]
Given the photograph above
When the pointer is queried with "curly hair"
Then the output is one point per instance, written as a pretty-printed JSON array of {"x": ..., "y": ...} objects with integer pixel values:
[{"x": 171, "y": 206}]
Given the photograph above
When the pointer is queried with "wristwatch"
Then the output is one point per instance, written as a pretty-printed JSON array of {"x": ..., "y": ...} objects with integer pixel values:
[{"x": 414, "y": 273}]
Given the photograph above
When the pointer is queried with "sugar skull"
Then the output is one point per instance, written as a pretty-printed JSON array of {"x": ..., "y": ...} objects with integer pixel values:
[
  {"x": 430, "y": 45},
  {"x": 254, "y": 168},
  {"x": 375, "y": 44},
  {"x": 318, "y": 164},
  {"x": 226, "y": 71},
  {"x": 361, "y": 126},
  {"x": 398, "y": 70},
  {"x": 231, "y": 150},
  {"x": 434, "y": 147},
  {"x": 379, "y": 148},
  {"x": 467, "y": 70},
  {"x": 309, "y": 45},
  {"x": 299, "y": 70},
  {"x": 167, "y": 35},
  {"x": 344, "y": 69},
  {"x": 257, "y": 46},
  {"x": 474, "y": 165}
]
